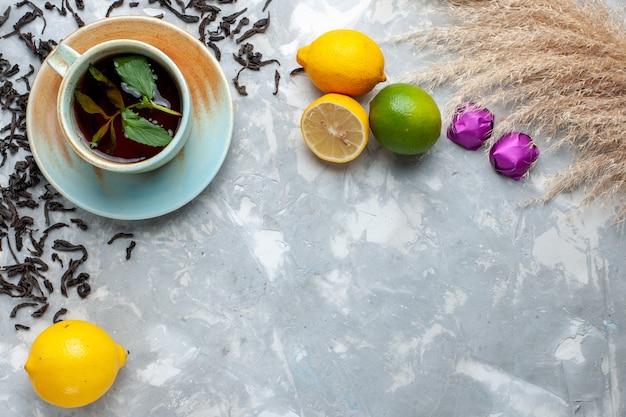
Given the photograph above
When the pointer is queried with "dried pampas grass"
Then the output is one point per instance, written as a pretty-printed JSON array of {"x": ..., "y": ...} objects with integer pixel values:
[{"x": 559, "y": 65}]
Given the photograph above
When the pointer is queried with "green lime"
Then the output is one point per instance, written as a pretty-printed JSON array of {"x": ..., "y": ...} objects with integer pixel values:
[{"x": 405, "y": 119}]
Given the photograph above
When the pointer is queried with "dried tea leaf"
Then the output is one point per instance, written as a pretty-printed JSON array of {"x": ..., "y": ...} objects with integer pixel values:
[{"x": 5, "y": 15}]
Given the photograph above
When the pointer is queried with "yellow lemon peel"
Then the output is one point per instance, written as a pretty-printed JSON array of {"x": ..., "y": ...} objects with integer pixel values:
[
  {"x": 343, "y": 61},
  {"x": 73, "y": 363}
]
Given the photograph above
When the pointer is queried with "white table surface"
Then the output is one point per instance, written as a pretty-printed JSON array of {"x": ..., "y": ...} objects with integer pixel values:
[{"x": 295, "y": 288}]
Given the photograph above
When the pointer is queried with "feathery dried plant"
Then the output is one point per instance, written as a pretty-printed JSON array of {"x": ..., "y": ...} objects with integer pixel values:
[{"x": 559, "y": 64}]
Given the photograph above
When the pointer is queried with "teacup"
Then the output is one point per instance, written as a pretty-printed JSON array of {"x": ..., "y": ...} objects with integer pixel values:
[{"x": 73, "y": 67}]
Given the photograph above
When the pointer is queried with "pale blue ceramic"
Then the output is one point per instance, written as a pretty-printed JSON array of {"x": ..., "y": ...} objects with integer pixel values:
[{"x": 142, "y": 195}]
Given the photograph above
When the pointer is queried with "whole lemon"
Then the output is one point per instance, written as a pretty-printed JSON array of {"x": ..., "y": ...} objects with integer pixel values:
[
  {"x": 343, "y": 61},
  {"x": 405, "y": 119},
  {"x": 73, "y": 363}
]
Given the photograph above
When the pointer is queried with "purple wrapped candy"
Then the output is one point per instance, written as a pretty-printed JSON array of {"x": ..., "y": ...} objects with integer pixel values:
[
  {"x": 513, "y": 155},
  {"x": 471, "y": 126}
]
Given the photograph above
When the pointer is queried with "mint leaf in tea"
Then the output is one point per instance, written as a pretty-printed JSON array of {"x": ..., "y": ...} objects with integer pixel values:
[
  {"x": 127, "y": 107},
  {"x": 144, "y": 131},
  {"x": 136, "y": 74}
]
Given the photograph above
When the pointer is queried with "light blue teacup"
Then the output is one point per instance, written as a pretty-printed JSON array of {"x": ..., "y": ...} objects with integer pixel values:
[{"x": 72, "y": 66}]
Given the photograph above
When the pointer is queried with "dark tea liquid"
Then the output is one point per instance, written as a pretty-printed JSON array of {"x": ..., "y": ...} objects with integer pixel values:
[{"x": 125, "y": 149}]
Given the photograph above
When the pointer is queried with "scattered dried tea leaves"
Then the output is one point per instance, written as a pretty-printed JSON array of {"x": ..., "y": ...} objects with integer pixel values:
[
  {"x": 119, "y": 235},
  {"x": 26, "y": 18},
  {"x": 123, "y": 235},
  {"x": 5, "y": 15},
  {"x": 26, "y": 198},
  {"x": 228, "y": 27},
  {"x": 130, "y": 248},
  {"x": 77, "y": 18},
  {"x": 232, "y": 18},
  {"x": 241, "y": 89},
  {"x": 182, "y": 16},
  {"x": 115, "y": 5},
  {"x": 276, "y": 81},
  {"x": 248, "y": 59},
  {"x": 19, "y": 306},
  {"x": 24, "y": 275},
  {"x": 58, "y": 314},
  {"x": 260, "y": 26},
  {"x": 80, "y": 224},
  {"x": 297, "y": 71}
]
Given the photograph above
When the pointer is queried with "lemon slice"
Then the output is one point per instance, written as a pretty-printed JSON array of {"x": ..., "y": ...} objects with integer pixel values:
[{"x": 335, "y": 127}]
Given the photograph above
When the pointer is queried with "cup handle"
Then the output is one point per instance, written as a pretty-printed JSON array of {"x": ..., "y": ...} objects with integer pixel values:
[{"x": 61, "y": 58}]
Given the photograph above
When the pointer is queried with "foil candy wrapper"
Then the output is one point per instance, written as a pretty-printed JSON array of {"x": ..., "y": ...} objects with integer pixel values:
[
  {"x": 513, "y": 155},
  {"x": 471, "y": 126}
]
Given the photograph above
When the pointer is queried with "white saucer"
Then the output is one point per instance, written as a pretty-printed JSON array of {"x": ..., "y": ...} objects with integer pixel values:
[{"x": 152, "y": 194}]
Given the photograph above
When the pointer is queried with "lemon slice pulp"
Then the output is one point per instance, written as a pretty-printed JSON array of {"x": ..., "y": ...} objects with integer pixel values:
[{"x": 335, "y": 128}]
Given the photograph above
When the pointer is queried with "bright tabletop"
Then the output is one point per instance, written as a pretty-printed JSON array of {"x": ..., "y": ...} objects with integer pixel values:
[{"x": 291, "y": 287}]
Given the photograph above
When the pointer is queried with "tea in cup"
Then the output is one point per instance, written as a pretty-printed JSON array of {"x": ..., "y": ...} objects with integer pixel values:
[{"x": 123, "y": 105}]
